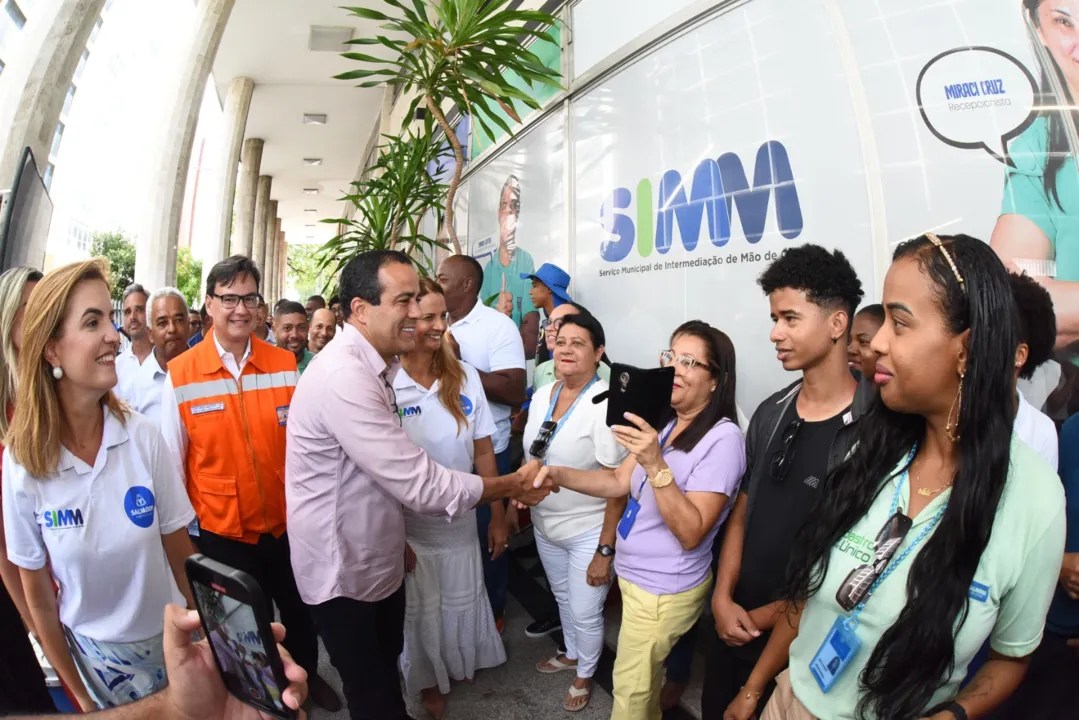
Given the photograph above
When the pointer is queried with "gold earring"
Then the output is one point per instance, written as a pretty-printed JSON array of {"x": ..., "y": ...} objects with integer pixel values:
[{"x": 952, "y": 429}]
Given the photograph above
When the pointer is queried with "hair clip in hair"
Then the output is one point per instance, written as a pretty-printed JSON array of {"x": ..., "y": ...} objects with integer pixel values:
[{"x": 947, "y": 256}]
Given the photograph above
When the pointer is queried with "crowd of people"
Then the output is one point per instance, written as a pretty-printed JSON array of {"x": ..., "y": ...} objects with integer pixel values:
[{"x": 368, "y": 459}]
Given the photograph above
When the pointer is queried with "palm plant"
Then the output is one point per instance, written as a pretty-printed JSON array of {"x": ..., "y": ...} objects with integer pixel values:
[
  {"x": 461, "y": 51},
  {"x": 390, "y": 204}
]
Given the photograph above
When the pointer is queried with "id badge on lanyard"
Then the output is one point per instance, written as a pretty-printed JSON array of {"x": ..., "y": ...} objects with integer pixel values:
[
  {"x": 840, "y": 646},
  {"x": 633, "y": 505},
  {"x": 841, "y": 643}
]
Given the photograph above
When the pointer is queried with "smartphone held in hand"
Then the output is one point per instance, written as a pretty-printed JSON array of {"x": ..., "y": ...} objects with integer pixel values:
[
  {"x": 236, "y": 618},
  {"x": 644, "y": 393}
]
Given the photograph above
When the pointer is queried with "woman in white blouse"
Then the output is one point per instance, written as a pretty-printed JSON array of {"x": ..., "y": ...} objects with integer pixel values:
[
  {"x": 90, "y": 499},
  {"x": 575, "y": 533},
  {"x": 449, "y": 626}
]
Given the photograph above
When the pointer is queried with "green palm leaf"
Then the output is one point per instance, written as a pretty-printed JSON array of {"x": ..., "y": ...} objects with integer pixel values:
[{"x": 460, "y": 51}]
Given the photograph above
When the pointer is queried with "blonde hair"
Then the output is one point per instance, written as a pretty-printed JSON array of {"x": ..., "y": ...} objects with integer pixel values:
[
  {"x": 37, "y": 427},
  {"x": 12, "y": 283},
  {"x": 446, "y": 367}
]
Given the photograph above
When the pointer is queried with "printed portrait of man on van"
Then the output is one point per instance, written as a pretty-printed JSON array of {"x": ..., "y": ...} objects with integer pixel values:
[
  {"x": 1038, "y": 229},
  {"x": 502, "y": 274}
]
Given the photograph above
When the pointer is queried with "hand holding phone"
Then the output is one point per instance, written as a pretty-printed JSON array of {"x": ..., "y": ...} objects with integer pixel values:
[
  {"x": 196, "y": 689},
  {"x": 644, "y": 393},
  {"x": 236, "y": 619}
]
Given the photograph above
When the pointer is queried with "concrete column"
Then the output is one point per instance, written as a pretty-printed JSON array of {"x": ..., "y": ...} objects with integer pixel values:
[
  {"x": 262, "y": 217},
  {"x": 237, "y": 105},
  {"x": 155, "y": 252},
  {"x": 283, "y": 270},
  {"x": 36, "y": 80},
  {"x": 273, "y": 226},
  {"x": 277, "y": 260},
  {"x": 251, "y": 161}
]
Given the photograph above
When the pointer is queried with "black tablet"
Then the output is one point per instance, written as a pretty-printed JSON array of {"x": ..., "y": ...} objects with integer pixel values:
[{"x": 645, "y": 393}]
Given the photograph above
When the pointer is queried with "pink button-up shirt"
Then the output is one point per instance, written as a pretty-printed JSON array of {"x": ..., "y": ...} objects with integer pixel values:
[{"x": 349, "y": 469}]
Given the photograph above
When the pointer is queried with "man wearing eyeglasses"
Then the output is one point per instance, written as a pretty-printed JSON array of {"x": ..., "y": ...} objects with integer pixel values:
[
  {"x": 224, "y": 408},
  {"x": 796, "y": 437}
]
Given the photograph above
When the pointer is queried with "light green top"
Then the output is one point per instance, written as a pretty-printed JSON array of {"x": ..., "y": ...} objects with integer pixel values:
[
  {"x": 308, "y": 356},
  {"x": 1009, "y": 598},
  {"x": 544, "y": 374},
  {"x": 1024, "y": 194},
  {"x": 494, "y": 270}
]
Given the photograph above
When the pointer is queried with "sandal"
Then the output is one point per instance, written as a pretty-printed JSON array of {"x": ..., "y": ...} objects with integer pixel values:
[
  {"x": 575, "y": 693},
  {"x": 552, "y": 665}
]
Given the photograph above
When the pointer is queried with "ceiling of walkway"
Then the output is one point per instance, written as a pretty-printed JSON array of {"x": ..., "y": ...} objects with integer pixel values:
[{"x": 268, "y": 41}]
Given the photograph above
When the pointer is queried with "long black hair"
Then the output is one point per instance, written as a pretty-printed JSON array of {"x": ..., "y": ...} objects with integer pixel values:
[
  {"x": 916, "y": 655},
  {"x": 721, "y": 366},
  {"x": 1059, "y": 148}
]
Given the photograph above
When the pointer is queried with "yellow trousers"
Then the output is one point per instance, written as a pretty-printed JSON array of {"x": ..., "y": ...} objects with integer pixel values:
[{"x": 651, "y": 625}]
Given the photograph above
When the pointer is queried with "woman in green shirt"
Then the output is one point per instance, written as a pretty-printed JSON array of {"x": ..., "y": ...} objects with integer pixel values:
[
  {"x": 938, "y": 532},
  {"x": 1038, "y": 228}
]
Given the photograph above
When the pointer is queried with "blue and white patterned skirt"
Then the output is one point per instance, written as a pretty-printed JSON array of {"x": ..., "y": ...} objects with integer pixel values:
[{"x": 118, "y": 673}]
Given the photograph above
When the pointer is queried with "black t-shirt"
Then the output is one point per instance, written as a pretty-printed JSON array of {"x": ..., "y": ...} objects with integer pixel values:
[{"x": 781, "y": 506}]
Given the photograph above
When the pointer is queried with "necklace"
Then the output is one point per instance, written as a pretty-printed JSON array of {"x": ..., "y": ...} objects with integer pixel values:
[{"x": 926, "y": 492}]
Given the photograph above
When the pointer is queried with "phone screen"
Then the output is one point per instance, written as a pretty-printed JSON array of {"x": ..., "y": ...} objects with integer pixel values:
[{"x": 238, "y": 645}]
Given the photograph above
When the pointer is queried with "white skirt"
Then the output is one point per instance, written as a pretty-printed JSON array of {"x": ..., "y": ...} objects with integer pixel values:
[{"x": 449, "y": 627}]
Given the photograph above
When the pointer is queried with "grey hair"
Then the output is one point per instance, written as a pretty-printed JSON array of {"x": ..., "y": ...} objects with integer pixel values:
[
  {"x": 135, "y": 288},
  {"x": 165, "y": 292}
]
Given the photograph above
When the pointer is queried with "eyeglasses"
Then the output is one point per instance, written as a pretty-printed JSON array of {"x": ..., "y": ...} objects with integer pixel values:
[
  {"x": 688, "y": 362},
  {"x": 855, "y": 587},
  {"x": 229, "y": 302},
  {"x": 781, "y": 461}
]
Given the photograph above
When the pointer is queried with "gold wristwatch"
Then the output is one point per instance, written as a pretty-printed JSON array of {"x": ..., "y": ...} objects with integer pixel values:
[{"x": 662, "y": 479}]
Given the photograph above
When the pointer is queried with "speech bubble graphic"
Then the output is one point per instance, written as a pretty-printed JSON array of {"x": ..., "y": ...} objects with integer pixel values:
[{"x": 977, "y": 97}]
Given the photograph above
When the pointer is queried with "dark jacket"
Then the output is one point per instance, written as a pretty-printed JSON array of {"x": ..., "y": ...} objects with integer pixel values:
[{"x": 765, "y": 424}]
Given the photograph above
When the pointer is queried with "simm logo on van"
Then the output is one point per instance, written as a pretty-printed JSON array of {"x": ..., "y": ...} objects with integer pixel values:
[{"x": 717, "y": 188}]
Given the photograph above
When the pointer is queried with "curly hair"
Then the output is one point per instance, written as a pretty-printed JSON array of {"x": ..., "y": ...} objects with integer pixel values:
[
  {"x": 1037, "y": 321},
  {"x": 827, "y": 278}
]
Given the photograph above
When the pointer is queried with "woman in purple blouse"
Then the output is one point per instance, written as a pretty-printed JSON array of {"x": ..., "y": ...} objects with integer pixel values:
[{"x": 679, "y": 479}]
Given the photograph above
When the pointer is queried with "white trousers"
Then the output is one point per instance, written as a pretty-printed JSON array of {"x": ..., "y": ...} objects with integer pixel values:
[{"x": 580, "y": 606}]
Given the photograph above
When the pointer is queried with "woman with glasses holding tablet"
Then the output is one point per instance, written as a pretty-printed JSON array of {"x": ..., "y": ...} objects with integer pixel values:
[
  {"x": 940, "y": 530},
  {"x": 574, "y": 533},
  {"x": 679, "y": 479}
]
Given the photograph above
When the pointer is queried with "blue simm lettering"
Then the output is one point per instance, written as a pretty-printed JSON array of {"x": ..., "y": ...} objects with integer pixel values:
[{"x": 717, "y": 188}]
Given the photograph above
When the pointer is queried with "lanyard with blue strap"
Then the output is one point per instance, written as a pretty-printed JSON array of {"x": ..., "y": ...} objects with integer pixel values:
[
  {"x": 633, "y": 505},
  {"x": 842, "y": 643},
  {"x": 550, "y": 413}
]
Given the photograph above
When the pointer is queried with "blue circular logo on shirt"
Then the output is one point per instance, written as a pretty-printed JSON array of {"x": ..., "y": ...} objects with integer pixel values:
[
  {"x": 466, "y": 406},
  {"x": 139, "y": 504}
]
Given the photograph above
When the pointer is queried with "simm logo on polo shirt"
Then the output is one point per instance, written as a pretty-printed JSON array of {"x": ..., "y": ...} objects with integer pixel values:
[
  {"x": 410, "y": 411},
  {"x": 63, "y": 519}
]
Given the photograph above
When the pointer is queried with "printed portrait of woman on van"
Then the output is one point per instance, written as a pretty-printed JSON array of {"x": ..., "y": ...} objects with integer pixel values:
[{"x": 1039, "y": 222}]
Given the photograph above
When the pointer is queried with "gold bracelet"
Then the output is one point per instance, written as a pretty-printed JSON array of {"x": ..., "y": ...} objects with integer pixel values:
[{"x": 751, "y": 694}]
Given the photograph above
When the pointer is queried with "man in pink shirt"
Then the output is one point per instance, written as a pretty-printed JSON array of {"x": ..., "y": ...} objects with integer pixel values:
[{"x": 350, "y": 468}]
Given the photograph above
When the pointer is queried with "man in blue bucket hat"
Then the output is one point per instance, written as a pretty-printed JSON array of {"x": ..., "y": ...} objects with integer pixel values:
[{"x": 549, "y": 290}]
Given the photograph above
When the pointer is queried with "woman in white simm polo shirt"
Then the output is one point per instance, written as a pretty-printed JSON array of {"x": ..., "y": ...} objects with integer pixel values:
[
  {"x": 89, "y": 494},
  {"x": 450, "y": 630},
  {"x": 939, "y": 532}
]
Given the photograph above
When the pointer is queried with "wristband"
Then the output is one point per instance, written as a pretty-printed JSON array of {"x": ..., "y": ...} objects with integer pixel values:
[{"x": 957, "y": 710}]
